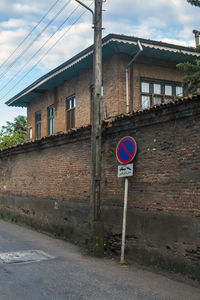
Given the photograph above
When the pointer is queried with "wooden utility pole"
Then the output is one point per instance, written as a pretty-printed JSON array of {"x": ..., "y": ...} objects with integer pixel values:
[
  {"x": 96, "y": 246},
  {"x": 96, "y": 223}
]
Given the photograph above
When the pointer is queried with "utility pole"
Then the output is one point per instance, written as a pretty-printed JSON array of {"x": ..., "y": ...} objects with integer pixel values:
[
  {"x": 96, "y": 223},
  {"x": 96, "y": 242}
]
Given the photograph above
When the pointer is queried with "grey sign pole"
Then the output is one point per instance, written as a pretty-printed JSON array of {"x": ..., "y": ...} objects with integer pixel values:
[{"x": 122, "y": 261}]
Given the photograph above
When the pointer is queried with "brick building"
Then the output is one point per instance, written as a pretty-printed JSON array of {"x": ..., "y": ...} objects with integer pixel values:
[{"x": 61, "y": 99}]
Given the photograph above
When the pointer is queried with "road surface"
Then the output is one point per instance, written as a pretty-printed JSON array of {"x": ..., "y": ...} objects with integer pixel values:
[{"x": 36, "y": 266}]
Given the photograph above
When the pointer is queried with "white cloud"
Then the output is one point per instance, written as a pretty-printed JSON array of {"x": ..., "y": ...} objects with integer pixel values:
[
  {"x": 24, "y": 8},
  {"x": 154, "y": 19},
  {"x": 170, "y": 21},
  {"x": 74, "y": 41},
  {"x": 13, "y": 23},
  {"x": 178, "y": 42}
]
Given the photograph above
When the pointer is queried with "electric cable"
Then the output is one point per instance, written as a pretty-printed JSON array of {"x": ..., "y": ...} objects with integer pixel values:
[
  {"x": 22, "y": 68},
  {"x": 30, "y": 44},
  {"x": 46, "y": 53},
  {"x": 1, "y": 66}
]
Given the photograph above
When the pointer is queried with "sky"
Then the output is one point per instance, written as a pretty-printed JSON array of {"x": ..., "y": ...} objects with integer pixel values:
[{"x": 37, "y": 36}]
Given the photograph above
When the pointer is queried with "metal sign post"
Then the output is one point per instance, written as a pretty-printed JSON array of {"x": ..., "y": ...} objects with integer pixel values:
[
  {"x": 125, "y": 153},
  {"x": 122, "y": 261}
]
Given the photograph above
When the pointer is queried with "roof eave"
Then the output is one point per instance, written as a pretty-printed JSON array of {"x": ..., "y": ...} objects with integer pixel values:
[{"x": 89, "y": 51}]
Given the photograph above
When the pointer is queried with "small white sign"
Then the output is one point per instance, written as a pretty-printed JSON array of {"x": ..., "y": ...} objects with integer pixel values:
[{"x": 125, "y": 170}]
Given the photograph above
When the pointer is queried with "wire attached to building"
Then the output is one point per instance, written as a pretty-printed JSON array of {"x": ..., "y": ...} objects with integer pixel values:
[{"x": 47, "y": 50}]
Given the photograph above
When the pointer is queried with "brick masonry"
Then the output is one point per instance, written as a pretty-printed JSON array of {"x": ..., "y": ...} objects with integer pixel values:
[
  {"x": 46, "y": 184},
  {"x": 164, "y": 193},
  {"x": 114, "y": 96}
]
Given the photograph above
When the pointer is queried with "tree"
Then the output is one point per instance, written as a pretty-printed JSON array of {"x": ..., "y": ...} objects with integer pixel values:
[
  {"x": 13, "y": 133},
  {"x": 194, "y": 2},
  {"x": 191, "y": 82}
]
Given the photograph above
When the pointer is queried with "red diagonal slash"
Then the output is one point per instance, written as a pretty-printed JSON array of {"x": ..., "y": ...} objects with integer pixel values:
[{"x": 127, "y": 152}]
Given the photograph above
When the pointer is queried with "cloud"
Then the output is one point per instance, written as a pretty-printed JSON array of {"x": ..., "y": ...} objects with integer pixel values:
[
  {"x": 20, "y": 8},
  {"x": 13, "y": 23},
  {"x": 158, "y": 19},
  {"x": 73, "y": 42},
  {"x": 170, "y": 21}
]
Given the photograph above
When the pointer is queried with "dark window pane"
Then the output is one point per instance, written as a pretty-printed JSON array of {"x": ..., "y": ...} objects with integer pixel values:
[
  {"x": 50, "y": 120},
  {"x": 70, "y": 119},
  {"x": 38, "y": 124},
  {"x": 71, "y": 104}
]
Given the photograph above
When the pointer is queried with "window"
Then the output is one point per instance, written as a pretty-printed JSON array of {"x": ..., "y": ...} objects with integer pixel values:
[
  {"x": 155, "y": 92},
  {"x": 30, "y": 133},
  {"x": 71, "y": 104},
  {"x": 50, "y": 120},
  {"x": 38, "y": 124}
]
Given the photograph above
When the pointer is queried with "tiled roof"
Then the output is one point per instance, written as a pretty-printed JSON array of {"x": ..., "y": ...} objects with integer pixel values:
[
  {"x": 176, "y": 102},
  {"x": 109, "y": 122},
  {"x": 111, "y": 44},
  {"x": 70, "y": 133}
]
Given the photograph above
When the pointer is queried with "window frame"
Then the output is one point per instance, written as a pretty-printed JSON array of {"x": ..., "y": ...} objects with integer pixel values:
[
  {"x": 38, "y": 124},
  {"x": 164, "y": 97},
  {"x": 50, "y": 119},
  {"x": 70, "y": 111}
]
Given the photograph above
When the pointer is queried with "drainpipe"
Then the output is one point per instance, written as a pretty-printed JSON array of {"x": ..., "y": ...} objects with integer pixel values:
[{"x": 126, "y": 70}]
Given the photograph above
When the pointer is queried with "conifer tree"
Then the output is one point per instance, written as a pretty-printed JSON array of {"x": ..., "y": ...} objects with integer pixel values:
[
  {"x": 191, "y": 82},
  {"x": 194, "y": 2}
]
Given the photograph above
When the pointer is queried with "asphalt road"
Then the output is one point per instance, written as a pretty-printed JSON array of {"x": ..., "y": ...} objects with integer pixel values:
[{"x": 67, "y": 274}]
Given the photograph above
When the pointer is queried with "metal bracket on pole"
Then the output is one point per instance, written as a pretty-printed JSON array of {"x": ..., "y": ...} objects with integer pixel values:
[{"x": 88, "y": 8}]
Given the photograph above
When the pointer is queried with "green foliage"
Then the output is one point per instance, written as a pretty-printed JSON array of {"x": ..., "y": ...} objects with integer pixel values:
[
  {"x": 191, "y": 82},
  {"x": 194, "y": 2},
  {"x": 13, "y": 133},
  {"x": 197, "y": 49}
]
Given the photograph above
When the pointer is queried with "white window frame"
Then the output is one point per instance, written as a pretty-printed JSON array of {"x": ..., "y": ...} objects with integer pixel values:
[{"x": 158, "y": 98}]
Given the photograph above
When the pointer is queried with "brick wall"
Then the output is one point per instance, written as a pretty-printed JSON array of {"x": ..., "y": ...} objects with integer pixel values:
[
  {"x": 164, "y": 192},
  {"x": 114, "y": 98},
  {"x": 46, "y": 184}
]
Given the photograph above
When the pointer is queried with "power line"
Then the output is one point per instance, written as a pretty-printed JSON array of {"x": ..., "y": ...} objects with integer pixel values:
[
  {"x": 39, "y": 49},
  {"x": 30, "y": 44},
  {"x": 29, "y": 34},
  {"x": 46, "y": 53}
]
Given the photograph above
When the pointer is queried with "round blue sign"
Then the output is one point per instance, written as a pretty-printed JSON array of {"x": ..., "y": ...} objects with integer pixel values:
[{"x": 126, "y": 150}]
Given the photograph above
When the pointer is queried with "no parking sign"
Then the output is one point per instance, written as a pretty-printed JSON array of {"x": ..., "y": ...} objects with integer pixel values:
[
  {"x": 125, "y": 153},
  {"x": 126, "y": 150}
]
